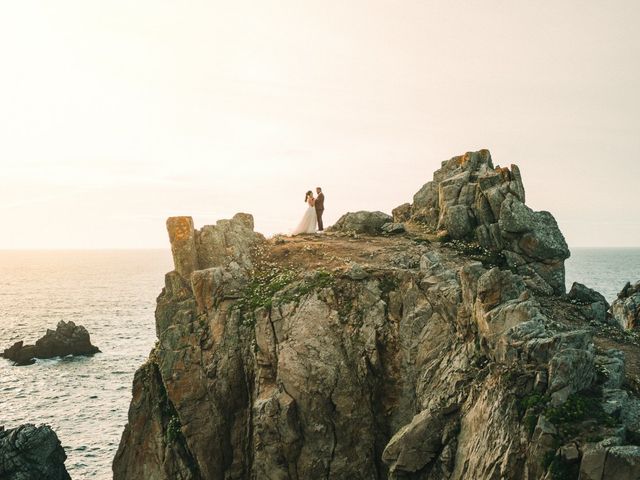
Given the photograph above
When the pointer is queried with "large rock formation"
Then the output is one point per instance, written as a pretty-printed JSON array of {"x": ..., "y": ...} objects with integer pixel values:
[
  {"x": 376, "y": 357},
  {"x": 471, "y": 199},
  {"x": 31, "y": 453},
  {"x": 67, "y": 339}
]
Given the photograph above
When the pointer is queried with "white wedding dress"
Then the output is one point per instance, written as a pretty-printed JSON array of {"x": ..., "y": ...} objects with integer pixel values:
[{"x": 308, "y": 222}]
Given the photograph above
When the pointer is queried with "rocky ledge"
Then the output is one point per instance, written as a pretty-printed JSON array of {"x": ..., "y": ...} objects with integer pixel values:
[
  {"x": 31, "y": 453},
  {"x": 67, "y": 339},
  {"x": 446, "y": 351}
]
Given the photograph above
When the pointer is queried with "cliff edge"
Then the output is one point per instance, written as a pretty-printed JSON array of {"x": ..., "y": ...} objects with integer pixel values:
[{"x": 444, "y": 349}]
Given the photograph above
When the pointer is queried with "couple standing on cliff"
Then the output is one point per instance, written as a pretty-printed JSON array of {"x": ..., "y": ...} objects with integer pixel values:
[{"x": 313, "y": 215}]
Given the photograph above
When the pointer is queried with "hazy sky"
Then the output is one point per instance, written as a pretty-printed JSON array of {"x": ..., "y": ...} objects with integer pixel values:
[{"x": 116, "y": 114}]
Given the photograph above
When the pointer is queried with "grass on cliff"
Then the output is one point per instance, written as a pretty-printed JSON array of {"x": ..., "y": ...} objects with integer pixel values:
[
  {"x": 278, "y": 286},
  {"x": 581, "y": 406},
  {"x": 580, "y": 416},
  {"x": 488, "y": 258}
]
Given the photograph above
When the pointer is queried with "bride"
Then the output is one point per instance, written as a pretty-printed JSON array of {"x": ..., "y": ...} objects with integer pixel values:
[{"x": 308, "y": 222}]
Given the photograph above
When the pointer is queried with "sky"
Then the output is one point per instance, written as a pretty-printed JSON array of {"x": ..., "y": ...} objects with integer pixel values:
[{"x": 116, "y": 114}]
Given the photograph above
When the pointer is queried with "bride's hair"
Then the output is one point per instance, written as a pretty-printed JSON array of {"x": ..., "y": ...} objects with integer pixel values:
[{"x": 306, "y": 196}]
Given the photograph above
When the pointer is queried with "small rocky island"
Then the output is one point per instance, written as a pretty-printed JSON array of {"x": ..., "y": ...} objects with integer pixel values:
[
  {"x": 67, "y": 339},
  {"x": 437, "y": 343}
]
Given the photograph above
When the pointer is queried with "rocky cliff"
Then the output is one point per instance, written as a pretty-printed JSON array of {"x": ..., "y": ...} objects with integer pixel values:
[{"x": 448, "y": 351}]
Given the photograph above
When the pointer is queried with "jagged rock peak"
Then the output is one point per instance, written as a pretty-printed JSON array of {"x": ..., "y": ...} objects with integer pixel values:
[
  {"x": 470, "y": 199},
  {"x": 213, "y": 245}
]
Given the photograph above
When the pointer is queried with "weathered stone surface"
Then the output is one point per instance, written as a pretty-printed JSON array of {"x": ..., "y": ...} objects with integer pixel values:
[
  {"x": 415, "y": 445},
  {"x": 458, "y": 221},
  {"x": 583, "y": 294},
  {"x": 471, "y": 199},
  {"x": 154, "y": 429},
  {"x": 594, "y": 304},
  {"x": 401, "y": 213},
  {"x": 362, "y": 222},
  {"x": 67, "y": 339},
  {"x": 31, "y": 453},
  {"x": 373, "y": 357},
  {"x": 623, "y": 463},
  {"x": 212, "y": 245},
  {"x": 626, "y": 308},
  {"x": 612, "y": 463},
  {"x": 227, "y": 241},
  {"x": 592, "y": 464},
  {"x": 183, "y": 247},
  {"x": 393, "y": 228},
  {"x": 611, "y": 364},
  {"x": 356, "y": 272},
  {"x": 570, "y": 371}
]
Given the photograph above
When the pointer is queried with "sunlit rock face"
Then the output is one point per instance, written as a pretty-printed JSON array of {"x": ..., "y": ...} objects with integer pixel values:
[
  {"x": 379, "y": 356},
  {"x": 470, "y": 199}
]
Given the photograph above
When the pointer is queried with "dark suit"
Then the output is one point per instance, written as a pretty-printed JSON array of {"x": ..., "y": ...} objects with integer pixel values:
[{"x": 320, "y": 209}]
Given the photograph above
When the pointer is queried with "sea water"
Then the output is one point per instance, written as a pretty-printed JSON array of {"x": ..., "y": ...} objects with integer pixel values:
[
  {"x": 112, "y": 293},
  {"x": 84, "y": 399}
]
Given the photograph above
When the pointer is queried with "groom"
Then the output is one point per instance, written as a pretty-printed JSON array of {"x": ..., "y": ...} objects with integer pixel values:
[{"x": 319, "y": 208}]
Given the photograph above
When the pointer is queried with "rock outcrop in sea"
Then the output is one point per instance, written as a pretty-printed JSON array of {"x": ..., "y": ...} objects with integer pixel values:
[
  {"x": 449, "y": 351},
  {"x": 67, "y": 339},
  {"x": 31, "y": 453}
]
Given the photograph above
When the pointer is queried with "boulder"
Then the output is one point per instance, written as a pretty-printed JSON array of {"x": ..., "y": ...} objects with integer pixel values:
[
  {"x": 31, "y": 453},
  {"x": 416, "y": 444},
  {"x": 356, "y": 272},
  {"x": 67, "y": 339},
  {"x": 626, "y": 308},
  {"x": 362, "y": 222},
  {"x": 594, "y": 304}
]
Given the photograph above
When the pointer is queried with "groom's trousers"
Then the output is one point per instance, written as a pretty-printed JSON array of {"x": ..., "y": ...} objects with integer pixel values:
[{"x": 319, "y": 215}]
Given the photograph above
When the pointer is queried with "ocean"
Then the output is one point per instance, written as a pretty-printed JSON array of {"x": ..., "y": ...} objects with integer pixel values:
[{"x": 113, "y": 293}]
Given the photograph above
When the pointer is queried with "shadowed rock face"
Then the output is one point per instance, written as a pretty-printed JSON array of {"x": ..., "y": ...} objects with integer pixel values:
[
  {"x": 470, "y": 199},
  {"x": 593, "y": 303},
  {"x": 379, "y": 357},
  {"x": 67, "y": 339},
  {"x": 31, "y": 453}
]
